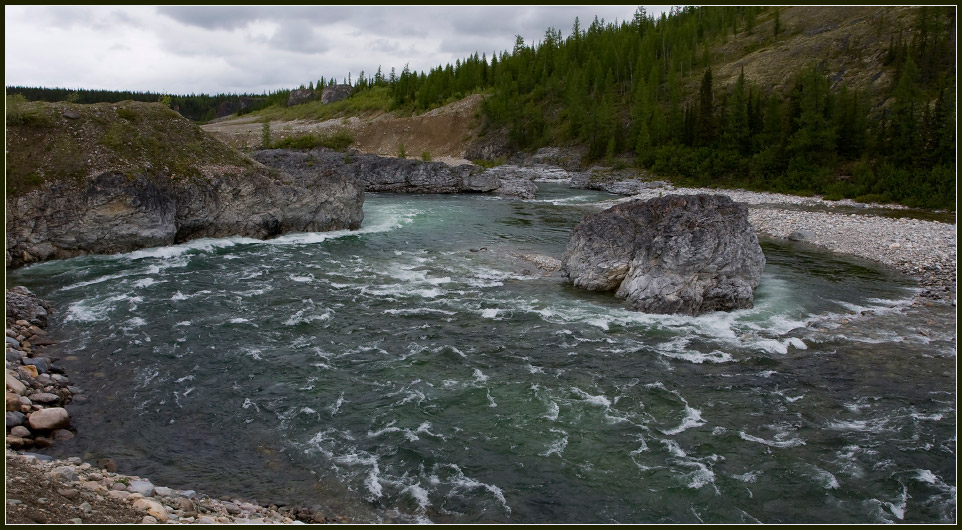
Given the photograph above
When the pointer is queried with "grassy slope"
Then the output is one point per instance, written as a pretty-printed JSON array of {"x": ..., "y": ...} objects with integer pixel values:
[{"x": 130, "y": 137}]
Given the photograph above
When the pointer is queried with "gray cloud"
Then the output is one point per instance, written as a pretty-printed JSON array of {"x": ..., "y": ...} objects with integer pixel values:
[{"x": 213, "y": 49}]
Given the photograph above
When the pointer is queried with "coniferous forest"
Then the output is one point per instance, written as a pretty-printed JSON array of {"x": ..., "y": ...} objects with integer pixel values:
[{"x": 624, "y": 92}]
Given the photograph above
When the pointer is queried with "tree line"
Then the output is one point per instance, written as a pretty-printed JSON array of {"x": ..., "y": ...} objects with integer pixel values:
[{"x": 197, "y": 107}]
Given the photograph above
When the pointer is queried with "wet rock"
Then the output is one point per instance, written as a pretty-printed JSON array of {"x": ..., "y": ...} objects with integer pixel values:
[
  {"x": 49, "y": 419},
  {"x": 41, "y": 364},
  {"x": 523, "y": 189},
  {"x": 675, "y": 254},
  {"x": 26, "y": 306},
  {"x": 61, "y": 435},
  {"x": 20, "y": 431},
  {"x": 15, "y": 419},
  {"x": 801, "y": 235}
]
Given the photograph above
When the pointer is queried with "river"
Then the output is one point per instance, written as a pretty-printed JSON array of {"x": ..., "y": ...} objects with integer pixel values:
[{"x": 415, "y": 370}]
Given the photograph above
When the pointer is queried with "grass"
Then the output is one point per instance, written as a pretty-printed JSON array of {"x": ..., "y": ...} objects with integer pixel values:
[
  {"x": 375, "y": 99},
  {"x": 129, "y": 137}
]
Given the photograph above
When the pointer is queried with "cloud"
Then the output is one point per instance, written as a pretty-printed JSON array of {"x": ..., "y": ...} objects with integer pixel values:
[{"x": 211, "y": 49}]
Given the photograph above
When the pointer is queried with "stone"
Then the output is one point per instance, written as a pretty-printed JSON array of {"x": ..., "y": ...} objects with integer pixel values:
[
  {"x": 23, "y": 304},
  {"x": 149, "y": 519},
  {"x": 67, "y": 473},
  {"x": 107, "y": 464},
  {"x": 15, "y": 419},
  {"x": 13, "y": 402},
  {"x": 143, "y": 487},
  {"x": 44, "y": 397},
  {"x": 61, "y": 435},
  {"x": 70, "y": 493},
  {"x": 206, "y": 520},
  {"x": 333, "y": 94},
  {"x": 299, "y": 96},
  {"x": 801, "y": 235},
  {"x": 686, "y": 254},
  {"x": 162, "y": 491},
  {"x": 30, "y": 370},
  {"x": 185, "y": 505},
  {"x": 117, "y": 494},
  {"x": 13, "y": 342},
  {"x": 42, "y": 441},
  {"x": 520, "y": 188},
  {"x": 71, "y": 114},
  {"x": 41, "y": 364},
  {"x": 14, "y": 384},
  {"x": 49, "y": 419},
  {"x": 20, "y": 431},
  {"x": 17, "y": 442}
]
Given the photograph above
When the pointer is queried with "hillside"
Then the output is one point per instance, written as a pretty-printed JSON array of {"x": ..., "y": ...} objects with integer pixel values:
[
  {"x": 55, "y": 141},
  {"x": 844, "y": 102}
]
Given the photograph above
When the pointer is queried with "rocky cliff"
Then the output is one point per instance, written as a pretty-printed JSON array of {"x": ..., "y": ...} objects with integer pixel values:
[
  {"x": 674, "y": 254},
  {"x": 390, "y": 174},
  {"x": 111, "y": 178}
]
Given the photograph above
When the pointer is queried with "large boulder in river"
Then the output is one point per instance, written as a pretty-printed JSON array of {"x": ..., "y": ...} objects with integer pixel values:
[
  {"x": 129, "y": 175},
  {"x": 687, "y": 254}
]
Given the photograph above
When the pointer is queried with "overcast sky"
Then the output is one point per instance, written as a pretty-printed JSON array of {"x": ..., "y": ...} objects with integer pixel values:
[{"x": 213, "y": 49}]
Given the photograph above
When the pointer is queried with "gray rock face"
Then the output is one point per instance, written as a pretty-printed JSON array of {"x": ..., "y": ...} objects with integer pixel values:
[
  {"x": 299, "y": 96},
  {"x": 113, "y": 212},
  {"x": 675, "y": 254},
  {"x": 331, "y": 94},
  {"x": 24, "y": 305},
  {"x": 624, "y": 182},
  {"x": 377, "y": 173}
]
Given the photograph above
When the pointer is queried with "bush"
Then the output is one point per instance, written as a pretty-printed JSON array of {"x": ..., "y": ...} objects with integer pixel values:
[
  {"x": 401, "y": 152},
  {"x": 488, "y": 164},
  {"x": 266, "y": 135},
  {"x": 425, "y": 156},
  {"x": 338, "y": 140}
]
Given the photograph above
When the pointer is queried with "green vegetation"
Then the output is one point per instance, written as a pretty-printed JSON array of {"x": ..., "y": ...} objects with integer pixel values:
[
  {"x": 401, "y": 151},
  {"x": 197, "y": 107},
  {"x": 425, "y": 156},
  {"x": 489, "y": 163},
  {"x": 129, "y": 137},
  {"x": 266, "y": 135},
  {"x": 338, "y": 140}
]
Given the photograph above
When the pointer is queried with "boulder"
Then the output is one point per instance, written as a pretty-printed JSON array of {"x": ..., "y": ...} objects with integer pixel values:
[
  {"x": 49, "y": 419},
  {"x": 153, "y": 508},
  {"x": 331, "y": 94},
  {"x": 674, "y": 254},
  {"x": 520, "y": 188},
  {"x": 299, "y": 96}
]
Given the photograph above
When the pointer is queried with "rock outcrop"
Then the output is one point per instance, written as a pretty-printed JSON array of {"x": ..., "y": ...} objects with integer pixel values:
[
  {"x": 148, "y": 177},
  {"x": 299, "y": 96},
  {"x": 675, "y": 254},
  {"x": 332, "y": 94},
  {"x": 388, "y": 174}
]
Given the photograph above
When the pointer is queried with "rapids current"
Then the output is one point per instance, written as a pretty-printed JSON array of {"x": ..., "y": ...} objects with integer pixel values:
[{"x": 416, "y": 370}]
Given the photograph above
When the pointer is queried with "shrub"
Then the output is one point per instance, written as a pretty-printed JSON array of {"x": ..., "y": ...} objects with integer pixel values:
[
  {"x": 425, "y": 156},
  {"x": 338, "y": 140},
  {"x": 401, "y": 152},
  {"x": 266, "y": 135}
]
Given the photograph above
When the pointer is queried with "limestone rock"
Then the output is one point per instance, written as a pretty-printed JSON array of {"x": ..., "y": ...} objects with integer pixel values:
[
  {"x": 24, "y": 305},
  {"x": 675, "y": 254},
  {"x": 143, "y": 487},
  {"x": 300, "y": 96},
  {"x": 331, "y": 94},
  {"x": 378, "y": 173},
  {"x": 49, "y": 419}
]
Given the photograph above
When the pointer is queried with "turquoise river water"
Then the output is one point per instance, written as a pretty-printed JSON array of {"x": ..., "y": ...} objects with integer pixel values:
[{"x": 396, "y": 373}]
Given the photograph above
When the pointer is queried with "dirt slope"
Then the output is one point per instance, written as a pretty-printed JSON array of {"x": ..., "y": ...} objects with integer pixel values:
[{"x": 443, "y": 132}]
